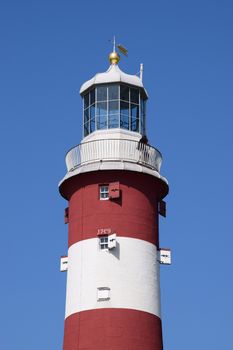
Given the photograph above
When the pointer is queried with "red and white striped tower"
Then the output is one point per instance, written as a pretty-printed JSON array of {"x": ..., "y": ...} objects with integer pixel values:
[{"x": 115, "y": 193}]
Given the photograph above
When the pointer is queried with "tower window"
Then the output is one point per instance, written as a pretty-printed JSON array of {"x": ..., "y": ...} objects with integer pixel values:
[
  {"x": 104, "y": 242},
  {"x": 107, "y": 242},
  {"x": 103, "y": 293},
  {"x": 104, "y": 192}
]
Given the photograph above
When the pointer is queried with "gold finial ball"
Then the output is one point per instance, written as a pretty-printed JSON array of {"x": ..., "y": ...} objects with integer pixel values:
[{"x": 114, "y": 58}]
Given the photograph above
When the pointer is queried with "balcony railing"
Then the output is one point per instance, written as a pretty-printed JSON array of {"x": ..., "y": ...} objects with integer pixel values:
[{"x": 113, "y": 150}]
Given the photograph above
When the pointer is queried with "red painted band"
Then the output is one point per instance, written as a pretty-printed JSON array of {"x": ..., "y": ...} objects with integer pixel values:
[
  {"x": 113, "y": 329},
  {"x": 134, "y": 214}
]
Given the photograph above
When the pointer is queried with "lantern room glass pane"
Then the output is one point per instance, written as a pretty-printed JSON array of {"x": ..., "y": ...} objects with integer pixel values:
[
  {"x": 101, "y": 108},
  {"x": 124, "y": 108},
  {"x": 134, "y": 95},
  {"x": 92, "y": 111},
  {"x": 135, "y": 125},
  {"x": 134, "y": 117},
  {"x": 124, "y": 115},
  {"x": 92, "y": 125},
  {"x": 113, "y": 107},
  {"x": 124, "y": 93},
  {"x": 86, "y": 115},
  {"x": 143, "y": 116},
  {"x": 143, "y": 105},
  {"x": 101, "y": 121},
  {"x": 113, "y": 114},
  {"x": 142, "y": 122},
  {"x": 134, "y": 111},
  {"x": 113, "y": 92},
  {"x": 86, "y": 100},
  {"x": 124, "y": 122},
  {"x": 92, "y": 96},
  {"x": 86, "y": 129},
  {"x": 113, "y": 121},
  {"x": 101, "y": 93}
]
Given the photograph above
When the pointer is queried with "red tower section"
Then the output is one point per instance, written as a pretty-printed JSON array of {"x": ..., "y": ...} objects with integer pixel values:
[{"x": 115, "y": 191}]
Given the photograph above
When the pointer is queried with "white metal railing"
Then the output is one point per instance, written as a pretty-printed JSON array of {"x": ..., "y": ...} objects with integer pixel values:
[{"x": 113, "y": 150}]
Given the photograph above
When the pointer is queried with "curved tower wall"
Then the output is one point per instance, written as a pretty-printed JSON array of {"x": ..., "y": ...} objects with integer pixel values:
[{"x": 130, "y": 271}]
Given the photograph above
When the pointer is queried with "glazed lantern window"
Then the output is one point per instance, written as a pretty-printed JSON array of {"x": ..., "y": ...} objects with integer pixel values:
[{"x": 114, "y": 106}]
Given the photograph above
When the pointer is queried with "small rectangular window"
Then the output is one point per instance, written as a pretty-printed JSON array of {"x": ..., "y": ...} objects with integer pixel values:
[
  {"x": 103, "y": 293},
  {"x": 107, "y": 242},
  {"x": 104, "y": 192},
  {"x": 103, "y": 242}
]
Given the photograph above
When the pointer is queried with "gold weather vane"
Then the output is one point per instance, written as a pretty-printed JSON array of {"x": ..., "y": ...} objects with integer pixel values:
[{"x": 114, "y": 57}]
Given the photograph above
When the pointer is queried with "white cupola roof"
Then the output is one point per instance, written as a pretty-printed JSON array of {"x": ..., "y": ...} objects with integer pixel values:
[{"x": 113, "y": 75}]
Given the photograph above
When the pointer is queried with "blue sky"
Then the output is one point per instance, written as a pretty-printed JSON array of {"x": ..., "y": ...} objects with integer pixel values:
[{"x": 48, "y": 49}]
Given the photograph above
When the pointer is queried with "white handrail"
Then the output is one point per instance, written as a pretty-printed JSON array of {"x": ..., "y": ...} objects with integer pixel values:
[{"x": 113, "y": 150}]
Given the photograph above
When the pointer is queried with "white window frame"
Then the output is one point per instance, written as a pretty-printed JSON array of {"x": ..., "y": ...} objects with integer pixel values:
[
  {"x": 103, "y": 294},
  {"x": 107, "y": 242},
  {"x": 104, "y": 190},
  {"x": 103, "y": 242}
]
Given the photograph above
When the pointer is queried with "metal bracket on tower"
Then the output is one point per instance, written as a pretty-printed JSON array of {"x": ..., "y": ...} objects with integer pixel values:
[
  {"x": 165, "y": 256},
  {"x": 162, "y": 208},
  {"x": 64, "y": 263}
]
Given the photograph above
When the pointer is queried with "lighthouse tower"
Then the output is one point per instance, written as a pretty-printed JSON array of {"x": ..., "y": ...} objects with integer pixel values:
[{"x": 115, "y": 195}]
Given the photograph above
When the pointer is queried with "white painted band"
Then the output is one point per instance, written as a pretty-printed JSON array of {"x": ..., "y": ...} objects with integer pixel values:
[{"x": 130, "y": 270}]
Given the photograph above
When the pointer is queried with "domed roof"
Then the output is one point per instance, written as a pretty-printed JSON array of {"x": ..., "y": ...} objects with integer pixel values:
[{"x": 113, "y": 75}]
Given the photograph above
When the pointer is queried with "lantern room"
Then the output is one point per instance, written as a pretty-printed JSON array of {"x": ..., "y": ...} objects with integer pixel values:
[{"x": 114, "y": 100}]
